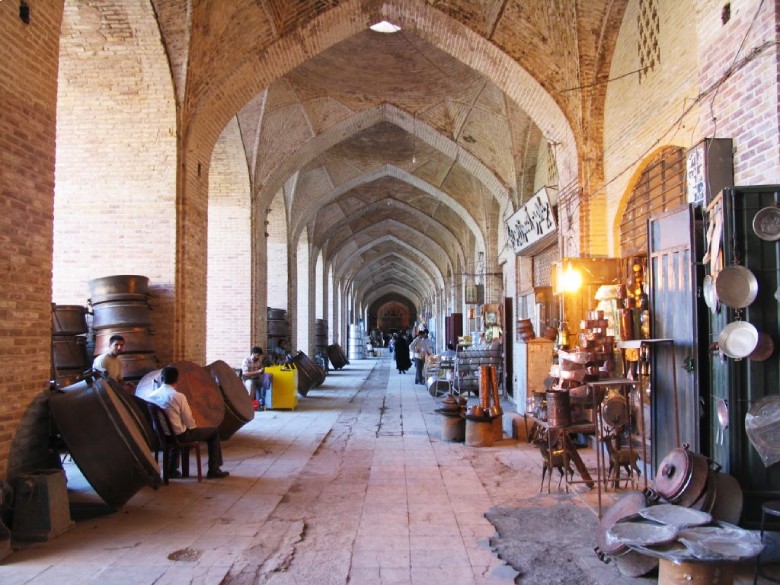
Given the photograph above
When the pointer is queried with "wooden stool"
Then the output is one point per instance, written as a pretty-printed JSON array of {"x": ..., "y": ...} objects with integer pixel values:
[{"x": 771, "y": 509}]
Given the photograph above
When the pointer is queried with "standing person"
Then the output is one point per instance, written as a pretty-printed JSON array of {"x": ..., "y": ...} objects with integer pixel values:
[
  {"x": 421, "y": 346},
  {"x": 109, "y": 362},
  {"x": 178, "y": 410},
  {"x": 402, "y": 361},
  {"x": 253, "y": 374}
]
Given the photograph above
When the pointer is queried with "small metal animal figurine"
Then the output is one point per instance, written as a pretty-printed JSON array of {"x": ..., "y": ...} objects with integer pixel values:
[
  {"x": 625, "y": 458},
  {"x": 552, "y": 460}
]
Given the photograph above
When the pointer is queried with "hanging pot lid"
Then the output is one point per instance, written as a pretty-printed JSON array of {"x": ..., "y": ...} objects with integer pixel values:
[
  {"x": 766, "y": 224},
  {"x": 736, "y": 286},
  {"x": 738, "y": 339}
]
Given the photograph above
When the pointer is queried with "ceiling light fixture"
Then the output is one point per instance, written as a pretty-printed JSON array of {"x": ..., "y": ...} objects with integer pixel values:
[{"x": 385, "y": 27}]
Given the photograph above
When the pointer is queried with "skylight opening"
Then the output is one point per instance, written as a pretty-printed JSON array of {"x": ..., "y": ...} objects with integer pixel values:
[{"x": 385, "y": 27}]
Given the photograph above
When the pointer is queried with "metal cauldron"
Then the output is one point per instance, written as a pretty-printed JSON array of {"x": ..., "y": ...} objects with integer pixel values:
[
  {"x": 238, "y": 403},
  {"x": 69, "y": 320},
  {"x": 137, "y": 339},
  {"x": 310, "y": 375},
  {"x": 118, "y": 287},
  {"x": 123, "y": 313},
  {"x": 104, "y": 440}
]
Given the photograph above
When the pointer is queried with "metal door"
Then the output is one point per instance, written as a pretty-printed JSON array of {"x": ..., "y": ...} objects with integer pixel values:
[{"x": 673, "y": 307}]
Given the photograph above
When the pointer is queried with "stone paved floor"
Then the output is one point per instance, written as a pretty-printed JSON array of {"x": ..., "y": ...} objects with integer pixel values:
[{"x": 354, "y": 486}]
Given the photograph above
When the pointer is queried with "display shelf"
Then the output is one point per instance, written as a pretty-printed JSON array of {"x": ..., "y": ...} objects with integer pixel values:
[{"x": 468, "y": 361}]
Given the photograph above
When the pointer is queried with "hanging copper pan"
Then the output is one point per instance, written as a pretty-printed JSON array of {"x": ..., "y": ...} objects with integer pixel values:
[
  {"x": 736, "y": 286},
  {"x": 764, "y": 348}
]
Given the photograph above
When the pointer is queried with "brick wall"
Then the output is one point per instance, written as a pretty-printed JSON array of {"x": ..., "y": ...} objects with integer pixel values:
[
  {"x": 277, "y": 254},
  {"x": 229, "y": 252},
  {"x": 115, "y": 193},
  {"x": 675, "y": 104},
  {"x": 28, "y": 94}
]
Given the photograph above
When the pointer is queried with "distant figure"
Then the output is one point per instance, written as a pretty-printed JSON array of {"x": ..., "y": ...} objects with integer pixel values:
[
  {"x": 391, "y": 343},
  {"x": 402, "y": 360},
  {"x": 281, "y": 354},
  {"x": 421, "y": 347}
]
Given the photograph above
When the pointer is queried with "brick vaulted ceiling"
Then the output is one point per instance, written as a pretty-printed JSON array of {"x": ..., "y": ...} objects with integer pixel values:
[{"x": 397, "y": 156}]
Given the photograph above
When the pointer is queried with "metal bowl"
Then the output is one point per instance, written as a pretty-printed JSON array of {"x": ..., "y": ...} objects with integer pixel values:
[
  {"x": 736, "y": 287},
  {"x": 738, "y": 339},
  {"x": 766, "y": 224}
]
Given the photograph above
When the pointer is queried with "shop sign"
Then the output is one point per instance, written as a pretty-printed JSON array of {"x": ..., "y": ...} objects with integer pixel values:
[{"x": 532, "y": 223}]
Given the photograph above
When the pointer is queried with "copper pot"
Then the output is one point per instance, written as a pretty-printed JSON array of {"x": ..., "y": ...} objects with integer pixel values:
[
  {"x": 69, "y": 320},
  {"x": 682, "y": 476},
  {"x": 118, "y": 287},
  {"x": 764, "y": 349},
  {"x": 137, "y": 339},
  {"x": 121, "y": 314},
  {"x": 69, "y": 352}
]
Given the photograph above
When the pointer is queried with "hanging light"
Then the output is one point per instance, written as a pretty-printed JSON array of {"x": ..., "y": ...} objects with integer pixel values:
[
  {"x": 385, "y": 27},
  {"x": 572, "y": 279}
]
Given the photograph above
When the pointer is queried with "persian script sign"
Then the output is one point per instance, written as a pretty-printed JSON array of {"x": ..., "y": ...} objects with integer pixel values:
[{"x": 532, "y": 222}]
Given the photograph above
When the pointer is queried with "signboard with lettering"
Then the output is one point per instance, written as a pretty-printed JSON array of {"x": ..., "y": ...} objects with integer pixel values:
[{"x": 532, "y": 223}]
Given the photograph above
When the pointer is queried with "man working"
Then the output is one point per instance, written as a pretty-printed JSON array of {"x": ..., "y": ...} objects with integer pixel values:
[
  {"x": 281, "y": 355},
  {"x": 178, "y": 410},
  {"x": 421, "y": 347},
  {"x": 253, "y": 374},
  {"x": 109, "y": 362}
]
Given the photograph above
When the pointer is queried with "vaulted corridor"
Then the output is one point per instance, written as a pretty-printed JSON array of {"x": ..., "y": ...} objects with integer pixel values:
[{"x": 354, "y": 486}]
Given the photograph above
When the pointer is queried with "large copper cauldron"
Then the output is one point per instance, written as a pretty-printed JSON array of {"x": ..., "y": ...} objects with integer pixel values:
[
  {"x": 117, "y": 314},
  {"x": 137, "y": 339},
  {"x": 336, "y": 356},
  {"x": 238, "y": 403},
  {"x": 118, "y": 287},
  {"x": 197, "y": 384},
  {"x": 104, "y": 440},
  {"x": 310, "y": 375},
  {"x": 682, "y": 477},
  {"x": 69, "y": 320}
]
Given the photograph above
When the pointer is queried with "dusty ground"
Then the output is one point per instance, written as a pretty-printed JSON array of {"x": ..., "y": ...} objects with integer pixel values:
[{"x": 532, "y": 542}]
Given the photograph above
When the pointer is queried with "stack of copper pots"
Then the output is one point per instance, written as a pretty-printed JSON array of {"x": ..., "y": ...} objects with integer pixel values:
[
  {"x": 525, "y": 330},
  {"x": 278, "y": 328},
  {"x": 120, "y": 306},
  {"x": 690, "y": 479},
  {"x": 68, "y": 343}
]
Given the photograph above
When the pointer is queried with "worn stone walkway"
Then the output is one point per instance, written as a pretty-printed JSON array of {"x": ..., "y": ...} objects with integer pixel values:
[{"x": 354, "y": 486}]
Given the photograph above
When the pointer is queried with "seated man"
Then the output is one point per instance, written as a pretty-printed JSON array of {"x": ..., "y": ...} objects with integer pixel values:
[
  {"x": 108, "y": 362},
  {"x": 178, "y": 410},
  {"x": 281, "y": 354},
  {"x": 253, "y": 374}
]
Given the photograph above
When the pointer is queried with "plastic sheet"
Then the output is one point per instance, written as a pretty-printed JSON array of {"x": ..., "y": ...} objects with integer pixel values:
[
  {"x": 723, "y": 542},
  {"x": 677, "y": 516},
  {"x": 762, "y": 425},
  {"x": 641, "y": 533}
]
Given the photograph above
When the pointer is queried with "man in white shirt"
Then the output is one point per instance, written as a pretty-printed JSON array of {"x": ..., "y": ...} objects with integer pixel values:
[
  {"x": 178, "y": 410},
  {"x": 109, "y": 362},
  {"x": 253, "y": 374},
  {"x": 420, "y": 347}
]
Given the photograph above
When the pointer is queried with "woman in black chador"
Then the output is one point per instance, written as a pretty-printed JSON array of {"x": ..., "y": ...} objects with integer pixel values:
[{"x": 402, "y": 360}]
